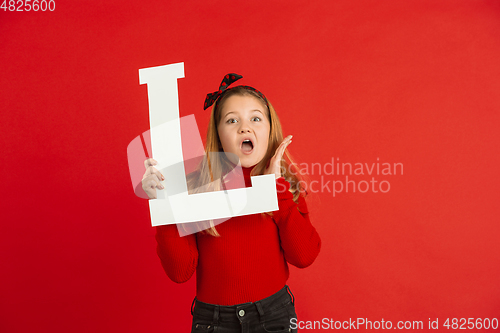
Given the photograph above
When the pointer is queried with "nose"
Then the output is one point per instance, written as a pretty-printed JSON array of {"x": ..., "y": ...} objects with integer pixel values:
[{"x": 244, "y": 127}]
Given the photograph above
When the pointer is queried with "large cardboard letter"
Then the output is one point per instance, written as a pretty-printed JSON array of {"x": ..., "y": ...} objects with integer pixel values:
[{"x": 174, "y": 205}]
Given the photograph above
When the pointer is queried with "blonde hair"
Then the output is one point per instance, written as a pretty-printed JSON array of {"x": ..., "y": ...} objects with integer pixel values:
[{"x": 211, "y": 169}]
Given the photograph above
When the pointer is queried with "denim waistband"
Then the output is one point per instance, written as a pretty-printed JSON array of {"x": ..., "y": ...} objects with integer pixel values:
[{"x": 234, "y": 313}]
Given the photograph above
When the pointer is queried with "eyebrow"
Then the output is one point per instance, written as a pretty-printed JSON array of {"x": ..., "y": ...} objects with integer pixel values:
[{"x": 255, "y": 110}]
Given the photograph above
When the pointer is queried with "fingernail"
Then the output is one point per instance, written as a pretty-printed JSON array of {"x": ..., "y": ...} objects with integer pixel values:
[{"x": 162, "y": 177}]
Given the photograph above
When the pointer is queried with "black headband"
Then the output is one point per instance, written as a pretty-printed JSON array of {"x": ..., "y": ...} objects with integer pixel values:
[{"x": 228, "y": 79}]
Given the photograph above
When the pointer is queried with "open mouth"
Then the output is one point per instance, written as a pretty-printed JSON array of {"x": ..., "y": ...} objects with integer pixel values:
[{"x": 247, "y": 146}]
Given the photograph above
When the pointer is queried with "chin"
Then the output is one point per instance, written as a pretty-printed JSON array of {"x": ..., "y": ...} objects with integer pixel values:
[
  {"x": 246, "y": 161},
  {"x": 248, "y": 164}
]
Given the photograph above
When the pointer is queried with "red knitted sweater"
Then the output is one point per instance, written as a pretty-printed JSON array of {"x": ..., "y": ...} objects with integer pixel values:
[{"x": 250, "y": 260}]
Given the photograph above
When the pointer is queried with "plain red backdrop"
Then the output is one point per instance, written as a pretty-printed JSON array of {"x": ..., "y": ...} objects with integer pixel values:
[{"x": 411, "y": 82}]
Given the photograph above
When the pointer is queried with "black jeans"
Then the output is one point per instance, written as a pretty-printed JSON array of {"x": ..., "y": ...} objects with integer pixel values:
[{"x": 271, "y": 314}]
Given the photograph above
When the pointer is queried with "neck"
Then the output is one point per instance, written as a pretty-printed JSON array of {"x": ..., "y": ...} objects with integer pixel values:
[
  {"x": 247, "y": 171},
  {"x": 234, "y": 177}
]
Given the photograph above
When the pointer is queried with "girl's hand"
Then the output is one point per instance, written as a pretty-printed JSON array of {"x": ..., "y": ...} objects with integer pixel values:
[
  {"x": 275, "y": 163},
  {"x": 151, "y": 179}
]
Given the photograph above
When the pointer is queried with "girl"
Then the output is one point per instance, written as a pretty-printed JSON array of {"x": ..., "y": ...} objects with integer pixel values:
[{"x": 241, "y": 265}]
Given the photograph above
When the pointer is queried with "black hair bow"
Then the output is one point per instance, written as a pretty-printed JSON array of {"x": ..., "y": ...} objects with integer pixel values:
[{"x": 228, "y": 79}]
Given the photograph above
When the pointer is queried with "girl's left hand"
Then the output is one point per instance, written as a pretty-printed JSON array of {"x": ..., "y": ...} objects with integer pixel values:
[{"x": 275, "y": 163}]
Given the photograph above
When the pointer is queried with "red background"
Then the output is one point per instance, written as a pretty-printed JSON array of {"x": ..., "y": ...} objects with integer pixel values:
[{"x": 412, "y": 82}]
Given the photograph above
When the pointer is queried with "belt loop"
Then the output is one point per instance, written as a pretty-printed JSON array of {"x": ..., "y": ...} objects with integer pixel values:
[
  {"x": 259, "y": 308},
  {"x": 194, "y": 300},
  {"x": 216, "y": 315},
  {"x": 291, "y": 294}
]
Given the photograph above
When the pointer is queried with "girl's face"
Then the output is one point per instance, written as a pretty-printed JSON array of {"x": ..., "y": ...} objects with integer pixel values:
[{"x": 244, "y": 129}]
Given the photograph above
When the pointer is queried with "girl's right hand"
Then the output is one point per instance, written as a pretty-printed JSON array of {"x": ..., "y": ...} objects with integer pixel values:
[{"x": 151, "y": 179}]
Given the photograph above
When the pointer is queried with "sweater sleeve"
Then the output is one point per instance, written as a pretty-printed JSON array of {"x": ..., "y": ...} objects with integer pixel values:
[
  {"x": 299, "y": 239},
  {"x": 178, "y": 255}
]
